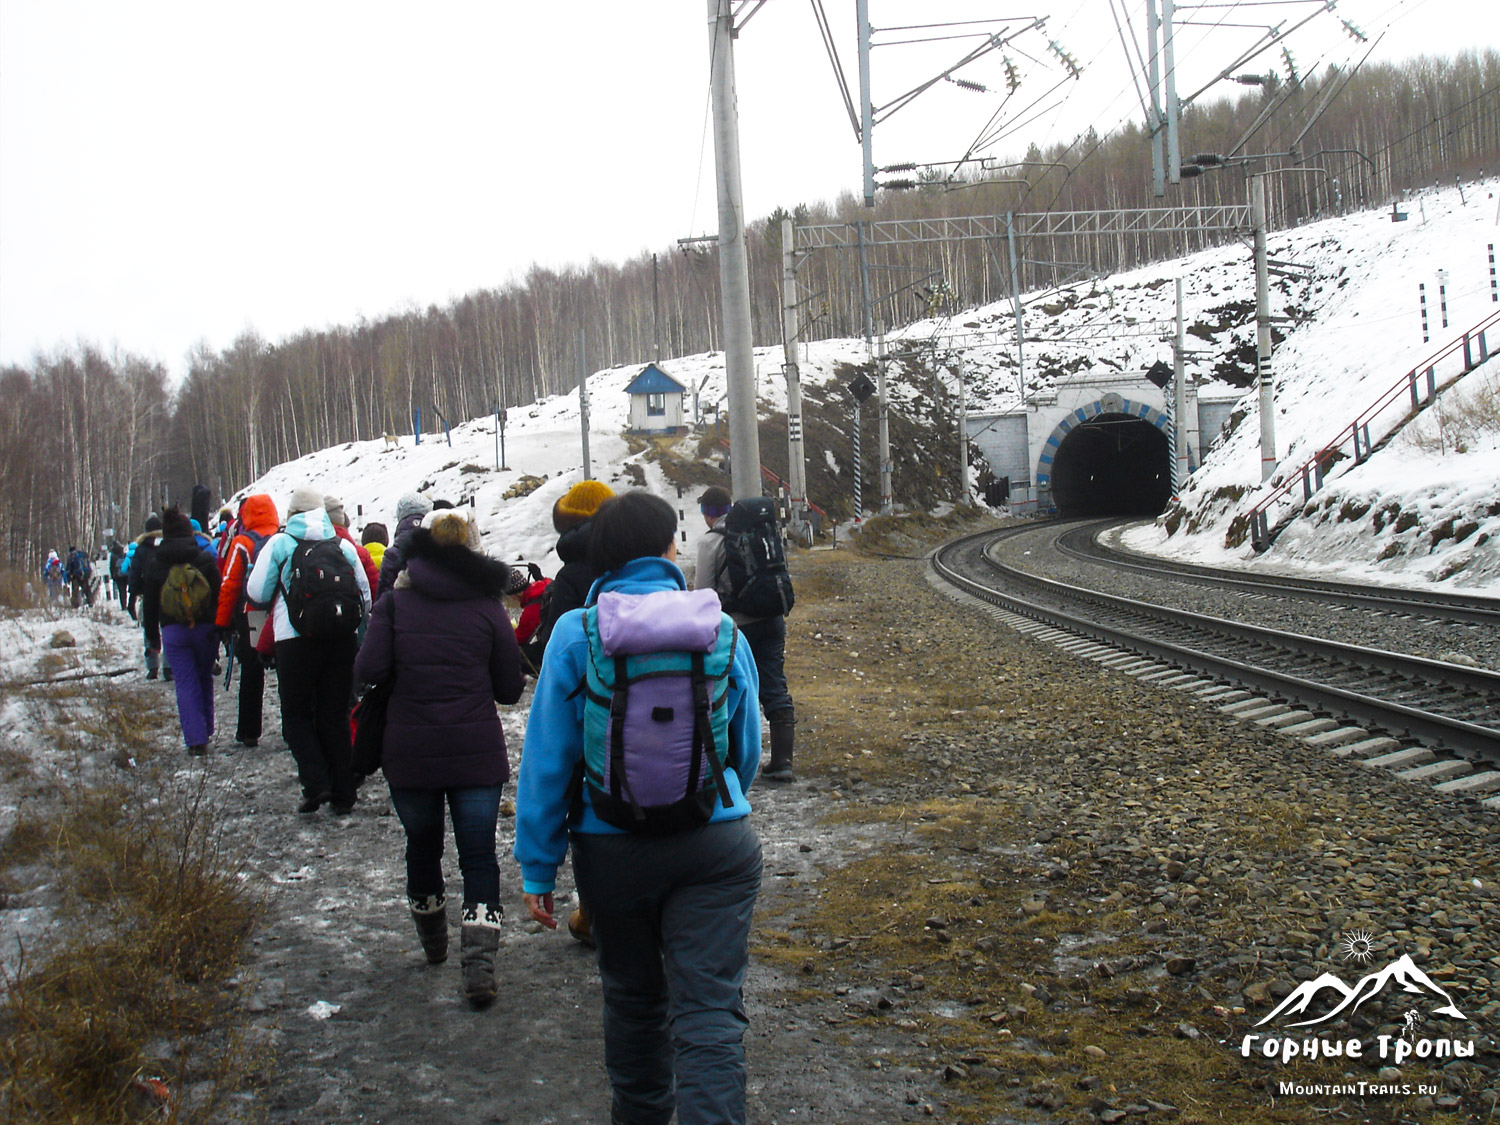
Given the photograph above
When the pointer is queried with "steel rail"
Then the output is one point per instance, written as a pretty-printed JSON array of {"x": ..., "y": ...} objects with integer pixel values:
[
  {"x": 1470, "y": 609},
  {"x": 1399, "y": 717}
]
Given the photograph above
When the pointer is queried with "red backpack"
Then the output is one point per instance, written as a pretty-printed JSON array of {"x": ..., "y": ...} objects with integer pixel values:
[{"x": 531, "y": 609}]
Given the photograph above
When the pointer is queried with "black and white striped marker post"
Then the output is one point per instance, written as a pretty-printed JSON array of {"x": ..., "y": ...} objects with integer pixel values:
[
  {"x": 1443, "y": 295},
  {"x": 1422, "y": 292},
  {"x": 1494, "y": 289}
]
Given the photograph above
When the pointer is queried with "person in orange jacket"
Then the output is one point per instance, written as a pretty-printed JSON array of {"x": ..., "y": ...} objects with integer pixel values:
[{"x": 258, "y": 521}]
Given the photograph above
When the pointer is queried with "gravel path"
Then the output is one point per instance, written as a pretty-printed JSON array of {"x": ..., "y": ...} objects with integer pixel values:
[{"x": 365, "y": 1031}]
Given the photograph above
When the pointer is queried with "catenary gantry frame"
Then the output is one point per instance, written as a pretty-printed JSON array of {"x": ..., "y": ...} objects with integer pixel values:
[
  {"x": 862, "y": 235},
  {"x": 1232, "y": 218}
]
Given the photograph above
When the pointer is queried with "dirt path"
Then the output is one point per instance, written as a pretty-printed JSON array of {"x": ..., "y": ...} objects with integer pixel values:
[{"x": 365, "y": 1031}]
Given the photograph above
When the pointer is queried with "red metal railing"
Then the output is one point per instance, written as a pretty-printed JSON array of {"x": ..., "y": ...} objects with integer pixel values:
[
  {"x": 1419, "y": 385},
  {"x": 779, "y": 483}
]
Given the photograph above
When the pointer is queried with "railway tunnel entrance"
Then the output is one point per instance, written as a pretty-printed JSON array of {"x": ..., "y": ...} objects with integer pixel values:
[{"x": 1113, "y": 464}]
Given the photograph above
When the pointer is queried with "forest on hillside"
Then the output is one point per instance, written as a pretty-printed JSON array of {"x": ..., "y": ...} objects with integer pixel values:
[{"x": 91, "y": 441}]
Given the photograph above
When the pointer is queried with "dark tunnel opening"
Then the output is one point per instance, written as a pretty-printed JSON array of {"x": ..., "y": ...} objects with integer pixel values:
[{"x": 1112, "y": 465}]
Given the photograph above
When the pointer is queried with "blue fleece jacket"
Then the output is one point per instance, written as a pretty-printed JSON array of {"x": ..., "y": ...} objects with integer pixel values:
[{"x": 554, "y": 733}]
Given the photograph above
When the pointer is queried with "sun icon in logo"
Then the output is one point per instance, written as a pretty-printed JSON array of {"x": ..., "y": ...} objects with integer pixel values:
[{"x": 1357, "y": 945}]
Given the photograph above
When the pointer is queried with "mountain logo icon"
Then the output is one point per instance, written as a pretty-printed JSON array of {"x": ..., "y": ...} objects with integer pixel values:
[{"x": 1401, "y": 972}]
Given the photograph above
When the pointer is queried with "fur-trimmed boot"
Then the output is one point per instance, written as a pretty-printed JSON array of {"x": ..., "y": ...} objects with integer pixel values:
[
  {"x": 479, "y": 940},
  {"x": 430, "y": 913},
  {"x": 783, "y": 734}
]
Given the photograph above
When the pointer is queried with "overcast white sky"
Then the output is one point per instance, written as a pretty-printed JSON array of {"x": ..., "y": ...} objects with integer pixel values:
[{"x": 176, "y": 172}]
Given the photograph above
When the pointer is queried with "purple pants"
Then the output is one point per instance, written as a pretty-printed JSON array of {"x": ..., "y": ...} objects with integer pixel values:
[{"x": 190, "y": 651}]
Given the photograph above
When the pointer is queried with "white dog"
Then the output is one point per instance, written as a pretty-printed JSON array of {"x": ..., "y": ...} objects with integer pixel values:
[{"x": 390, "y": 440}]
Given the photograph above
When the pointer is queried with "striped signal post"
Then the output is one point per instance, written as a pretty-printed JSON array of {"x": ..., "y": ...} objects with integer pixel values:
[
  {"x": 1494, "y": 290},
  {"x": 859, "y": 497},
  {"x": 1443, "y": 295},
  {"x": 1422, "y": 296}
]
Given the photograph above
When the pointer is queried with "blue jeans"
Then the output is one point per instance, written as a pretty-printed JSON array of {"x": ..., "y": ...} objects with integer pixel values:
[
  {"x": 475, "y": 812},
  {"x": 671, "y": 918},
  {"x": 767, "y": 640}
]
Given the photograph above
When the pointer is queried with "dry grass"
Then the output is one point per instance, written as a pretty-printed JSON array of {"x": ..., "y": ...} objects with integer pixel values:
[
  {"x": 118, "y": 1010},
  {"x": 934, "y": 730},
  {"x": 1465, "y": 418},
  {"x": 17, "y": 591}
]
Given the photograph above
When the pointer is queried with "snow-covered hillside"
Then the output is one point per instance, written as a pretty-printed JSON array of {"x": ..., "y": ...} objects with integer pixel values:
[{"x": 1353, "y": 328}]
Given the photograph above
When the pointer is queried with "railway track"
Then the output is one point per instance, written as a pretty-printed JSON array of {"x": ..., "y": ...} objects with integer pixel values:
[{"x": 1429, "y": 720}]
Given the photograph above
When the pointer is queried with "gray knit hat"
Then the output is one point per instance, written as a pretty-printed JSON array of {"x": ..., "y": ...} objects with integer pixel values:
[
  {"x": 412, "y": 504},
  {"x": 305, "y": 498},
  {"x": 335, "y": 509}
]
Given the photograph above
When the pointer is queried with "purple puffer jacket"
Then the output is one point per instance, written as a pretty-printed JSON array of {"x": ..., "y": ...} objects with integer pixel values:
[{"x": 455, "y": 656}]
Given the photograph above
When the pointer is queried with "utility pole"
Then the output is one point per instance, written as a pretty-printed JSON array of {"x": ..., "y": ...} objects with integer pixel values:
[
  {"x": 866, "y": 106},
  {"x": 1174, "y": 147},
  {"x": 963, "y": 437},
  {"x": 883, "y": 429},
  {"x": 1181, "y": 462},
  {"x": 1153, "y": 71},
  {"x": 1015, "y": 300},
  {"x": 655, "y": 310},
  {"x": 583, "y": 407},
  {"x": 796, "y": 463},
  {"x": 734, "y": 265},
  {"x": 1263, "y": 328}
]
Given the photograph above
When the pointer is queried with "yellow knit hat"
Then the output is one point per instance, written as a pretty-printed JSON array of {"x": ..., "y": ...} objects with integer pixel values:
[{"x": 583, "y": 499}]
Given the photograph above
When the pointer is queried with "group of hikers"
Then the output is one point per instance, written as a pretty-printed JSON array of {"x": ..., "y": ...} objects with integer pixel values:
[
  {"x": 642, "y": 742},
  {"x": 69, "y": 580}
]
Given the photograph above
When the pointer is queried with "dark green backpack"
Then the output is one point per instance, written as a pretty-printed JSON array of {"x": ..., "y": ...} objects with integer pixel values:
[{"x": 186, "y": 596}]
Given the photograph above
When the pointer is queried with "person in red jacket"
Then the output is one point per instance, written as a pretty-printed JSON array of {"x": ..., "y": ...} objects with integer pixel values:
[
  {"x": 336, "y": 516},
  {"x": 257, "y": 522}
]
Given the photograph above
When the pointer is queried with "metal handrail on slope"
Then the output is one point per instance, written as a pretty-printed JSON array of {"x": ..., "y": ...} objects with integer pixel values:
[{"x": 1419, "y": 384}]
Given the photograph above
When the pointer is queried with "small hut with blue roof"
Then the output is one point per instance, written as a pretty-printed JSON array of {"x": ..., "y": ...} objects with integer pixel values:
[{"x": 655, "y": 402}]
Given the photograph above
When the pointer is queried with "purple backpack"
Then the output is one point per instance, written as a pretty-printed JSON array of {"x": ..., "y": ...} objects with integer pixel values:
[{"x": 656, "y": 708}]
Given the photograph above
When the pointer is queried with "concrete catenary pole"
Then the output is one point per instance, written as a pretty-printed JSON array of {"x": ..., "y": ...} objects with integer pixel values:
[
  {"x": 790, "y": 330},
  {"x": 583, "y": 407},
  {"x": 734, "y": 263},
  {"x": 866, "y": 105},
  {"x": 964, "y": 497},
  {"x": 1158, "y": 127},
  {"x": 883, "y": 428},
  {"x": 1169, "y": 63},
  {"x": 1181, "y": 463},
  {"x": 1015, "y": 301},
  {"x": 1263, "y": 329}
]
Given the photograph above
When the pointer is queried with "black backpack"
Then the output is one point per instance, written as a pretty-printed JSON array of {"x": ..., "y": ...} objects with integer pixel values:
[
  {"x": 321, "y": 592},
  {"x": 755, "y": 561}
]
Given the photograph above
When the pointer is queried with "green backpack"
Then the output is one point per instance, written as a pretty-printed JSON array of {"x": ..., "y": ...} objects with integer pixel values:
[{"x": 186, "y": 596}]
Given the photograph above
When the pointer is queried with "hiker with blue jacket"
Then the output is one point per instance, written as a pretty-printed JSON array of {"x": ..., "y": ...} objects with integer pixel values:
[
  {"x": 179, "y": 595},
  {"x": 643, "y": 740},
  {"x": 324, "y": 600}
]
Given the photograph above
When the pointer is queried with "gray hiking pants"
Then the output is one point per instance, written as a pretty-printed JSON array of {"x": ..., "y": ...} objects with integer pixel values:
[{"x": 671, "y": 918}]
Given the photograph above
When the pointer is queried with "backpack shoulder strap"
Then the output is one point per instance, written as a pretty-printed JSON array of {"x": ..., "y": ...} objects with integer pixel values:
[{"x": 703, "y": 733}]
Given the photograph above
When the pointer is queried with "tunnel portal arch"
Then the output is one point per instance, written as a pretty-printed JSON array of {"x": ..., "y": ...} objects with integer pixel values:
[{"x": 1108, "y": 457}]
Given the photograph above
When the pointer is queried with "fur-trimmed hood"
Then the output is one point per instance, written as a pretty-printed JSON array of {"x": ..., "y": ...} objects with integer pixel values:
[{"x": 451, "y": 572}]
